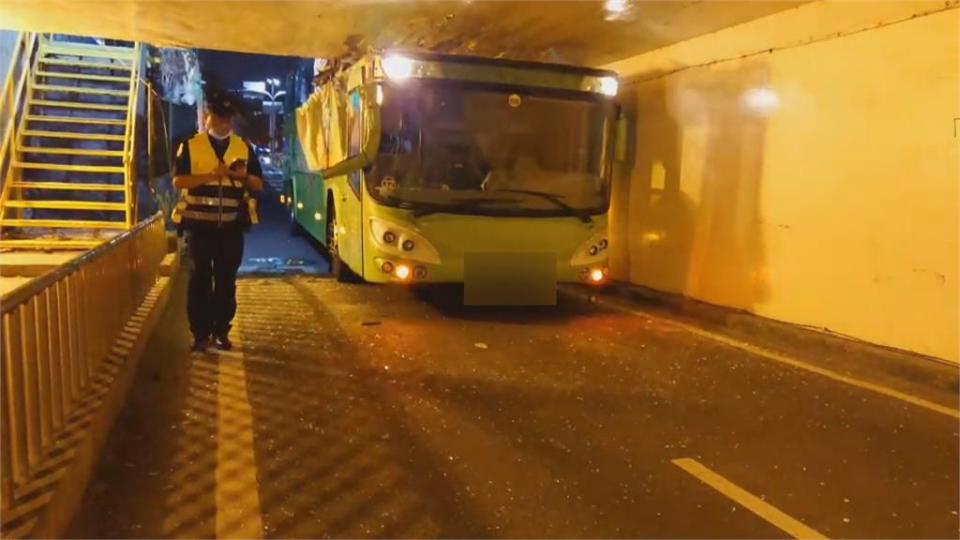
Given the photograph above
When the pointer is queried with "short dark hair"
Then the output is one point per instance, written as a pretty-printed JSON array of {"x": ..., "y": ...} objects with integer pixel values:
[{"x": 221, "y": 104}]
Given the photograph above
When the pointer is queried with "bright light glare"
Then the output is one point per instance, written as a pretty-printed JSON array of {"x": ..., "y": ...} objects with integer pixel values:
[
  {"x": 762, "y": 100},
  {"x": 402, "y": 271},
  {"x": 317, "y": 216},
  {"x": 615, "y": 6},
  {"x": 596, "y": 275},
  {"x": 650, "y": 238},
  {"x": 299, "y": 206},
  {"x": 255, "y": 86},
  {"x": 266, "y": 160},
  {"x": 398, "y": 67},
  {"x": 609, "y": 86}
]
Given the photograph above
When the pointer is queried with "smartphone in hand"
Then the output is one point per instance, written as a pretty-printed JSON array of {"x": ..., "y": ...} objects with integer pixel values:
[{"x": 238, "y": 165}]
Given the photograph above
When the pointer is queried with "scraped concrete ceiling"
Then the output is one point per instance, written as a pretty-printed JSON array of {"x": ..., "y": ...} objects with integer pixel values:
[{"x": 580, "y": 32}]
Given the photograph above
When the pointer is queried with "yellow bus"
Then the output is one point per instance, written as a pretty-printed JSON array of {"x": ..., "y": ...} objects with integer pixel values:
[{"x": 453, "y": 169}]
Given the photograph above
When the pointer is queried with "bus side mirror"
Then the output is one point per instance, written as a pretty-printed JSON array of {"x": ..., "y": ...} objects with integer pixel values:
[
  {"x": 622, "y": 138},
  {"x": 346, "y": 166}
]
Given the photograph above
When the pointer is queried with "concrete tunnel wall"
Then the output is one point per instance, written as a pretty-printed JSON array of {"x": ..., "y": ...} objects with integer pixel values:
[{"x": 816, "y": 183}]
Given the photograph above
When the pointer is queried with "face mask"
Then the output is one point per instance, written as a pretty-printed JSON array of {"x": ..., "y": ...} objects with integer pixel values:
[{"x": 218, "y": 136}]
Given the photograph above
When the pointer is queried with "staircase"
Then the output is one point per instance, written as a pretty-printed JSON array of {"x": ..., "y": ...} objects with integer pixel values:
[{"x": 69, "y": 176}]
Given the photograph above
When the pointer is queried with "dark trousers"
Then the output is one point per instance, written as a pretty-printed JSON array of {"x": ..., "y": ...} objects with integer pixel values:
[{"x": 212, "y": 293}]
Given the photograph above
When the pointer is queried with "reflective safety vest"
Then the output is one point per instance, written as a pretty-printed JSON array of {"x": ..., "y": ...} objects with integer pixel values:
[{"x": 217, "y": 202}]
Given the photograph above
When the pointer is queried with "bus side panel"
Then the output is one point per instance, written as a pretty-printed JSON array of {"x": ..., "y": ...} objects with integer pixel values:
[
  {"x": 308, "y": 188},
  {"x": 313, "y": 215}
]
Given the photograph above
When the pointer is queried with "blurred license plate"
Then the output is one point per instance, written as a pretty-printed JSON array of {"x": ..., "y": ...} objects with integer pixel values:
[{"x": 514, "y": 279}]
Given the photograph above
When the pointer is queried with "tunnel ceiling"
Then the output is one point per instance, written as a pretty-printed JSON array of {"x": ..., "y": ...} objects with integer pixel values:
[{"x": 574, "y": 32}]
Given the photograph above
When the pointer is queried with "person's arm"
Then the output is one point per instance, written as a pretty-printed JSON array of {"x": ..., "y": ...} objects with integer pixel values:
[
  {"x": 252, "y": 178},
  {"x": 189, "y": 181},
  {"x": 183, "y": 176},
  {"x": 250, "y": 181}
]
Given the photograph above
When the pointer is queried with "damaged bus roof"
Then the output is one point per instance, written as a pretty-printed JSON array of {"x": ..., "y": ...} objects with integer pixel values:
[{"x": 587, "y": 33}]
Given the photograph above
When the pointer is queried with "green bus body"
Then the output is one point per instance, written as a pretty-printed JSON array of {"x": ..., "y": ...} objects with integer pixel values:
[{"x": 443, "y": 159}]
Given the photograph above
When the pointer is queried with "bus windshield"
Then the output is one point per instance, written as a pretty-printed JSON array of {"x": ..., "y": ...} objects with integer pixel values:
[{"x": 480, "y": 149}]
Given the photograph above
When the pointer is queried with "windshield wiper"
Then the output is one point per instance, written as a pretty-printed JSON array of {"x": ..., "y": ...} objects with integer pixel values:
[
  {"x": 425, "y": 209},
  {"x": 555, "y": 199},
  {"x": 401, "y": 203}
]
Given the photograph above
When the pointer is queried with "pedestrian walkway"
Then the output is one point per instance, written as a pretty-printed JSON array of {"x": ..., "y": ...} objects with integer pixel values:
[{"x": 270, "y": 248}]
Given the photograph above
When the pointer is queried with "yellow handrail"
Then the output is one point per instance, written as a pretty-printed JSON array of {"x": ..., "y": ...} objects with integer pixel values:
[
  {"x": 13, "y": 101},
  {"x": 6, "y": 104},
  {"x": 130, "y": 137},
  {"x": 57, "y": 331}
]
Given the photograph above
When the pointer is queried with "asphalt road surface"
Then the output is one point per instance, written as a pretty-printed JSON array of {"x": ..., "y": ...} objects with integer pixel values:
[{"x": 368, "y": 411}]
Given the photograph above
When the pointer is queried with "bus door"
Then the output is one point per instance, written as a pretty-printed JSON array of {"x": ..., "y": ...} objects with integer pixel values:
[{"x": 349, "y": 207}]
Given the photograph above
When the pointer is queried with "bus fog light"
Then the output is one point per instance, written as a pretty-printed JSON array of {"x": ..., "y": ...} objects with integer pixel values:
[
  {"x": 402, "y": 272},
  {"x": 386, "y": 267},
  {"x": 419, "y": 272},
  {"x": 299, "y": 206},
  {"x": 389, "y": 237},
  {"x": 593, "y": 250},
  {"x": 283, "y": 199},
  {"x": 408, "y": 245},
  {"x": 597, "y": 275}
]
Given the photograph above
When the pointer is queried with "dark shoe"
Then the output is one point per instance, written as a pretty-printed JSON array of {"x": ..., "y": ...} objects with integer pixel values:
[
  {"x": 223, "y": 343},
  {"x": 200, "y": 344}
]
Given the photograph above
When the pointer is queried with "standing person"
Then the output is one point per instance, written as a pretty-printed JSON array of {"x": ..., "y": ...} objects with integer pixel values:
[{"x": 215, "y": 171}]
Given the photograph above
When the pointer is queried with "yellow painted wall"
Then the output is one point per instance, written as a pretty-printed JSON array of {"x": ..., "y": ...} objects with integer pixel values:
[{"x": 815, "y": 184}]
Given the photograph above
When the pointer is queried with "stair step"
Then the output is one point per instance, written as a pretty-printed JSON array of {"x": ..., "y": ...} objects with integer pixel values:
[
  {"x": 75, "y": 120},
  {"x": 68, "y": 186},
  {"x": 98, "y": 51},
  {"x": 83, "y": 76},
  {"x": 82, "y": 64},
  {"x": 65, "y": 167},
  {"x": 81, "y": 90},
  {"x": 63, "y": 224},
  {"x": 56, "y": 243},
  {"x": 71, "y": 135},
  {"x": 77, "y": 105},
  {"x": 68, "y": 205},
  {"x": 71, "y": 151}
]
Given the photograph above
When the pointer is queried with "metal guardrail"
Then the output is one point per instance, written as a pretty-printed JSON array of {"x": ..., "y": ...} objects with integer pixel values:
[{"x": 57, "y": 331}]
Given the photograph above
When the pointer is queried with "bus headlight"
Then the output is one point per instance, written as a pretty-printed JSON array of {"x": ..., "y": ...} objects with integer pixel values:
[
  {"x": 609, "y": 86},
  {"x": 406, "y": 242},
  {"x": 398, "y": 68}
]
